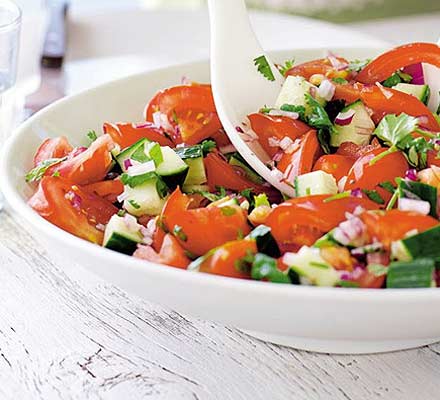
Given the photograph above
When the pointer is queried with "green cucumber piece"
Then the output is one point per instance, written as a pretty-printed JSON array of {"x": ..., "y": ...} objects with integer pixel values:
[
  {"x": 172, "y": 169},
  {"x": 349, "y": 133},
  {"x": 238, "y": 161},
  {"x": 421, "y": 245},
  {"x": 119, "y": 237},
  {"x": 265, "y": 241},
  {"x": 412, "y": 274},
  {"x": 196, "y": 173},
  {"x": 316, "y": 182},
  {"x": 422, "y": 92},
  {"x": 128, "y": 153},
  {"x": 265, "y": 267}
]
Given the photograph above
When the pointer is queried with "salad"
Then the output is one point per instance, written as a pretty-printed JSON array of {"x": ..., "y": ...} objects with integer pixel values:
[{"x": 355, "y": 139}]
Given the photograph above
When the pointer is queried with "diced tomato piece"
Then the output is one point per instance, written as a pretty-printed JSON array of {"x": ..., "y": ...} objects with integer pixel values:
[
  {"x": 52, "y": 148},
  {"x": 109, "y": 190},
  {"x": 334, "y": 164}
]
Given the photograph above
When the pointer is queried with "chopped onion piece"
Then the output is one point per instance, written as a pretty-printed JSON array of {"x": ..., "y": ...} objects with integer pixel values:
[
  {"x": 416, "y": 71},
  {"x": 230, "y": 148},
  {"x": 281, "y": 113},
  {"x": 326, "y": 90},
  {"x": 285, "y": 142},
  {"x": 277, "y": 174},
  {"x": 161, "y": 121},
  {"x": 411, "y": 174},
  {"x": 345, "y": 118},
  {"x": 420, "y": 206},
  {"x": 384, "y": 91},
  {"x": 140, "y": 169},
  {"x": 274, "y": 142},
  {"x": 130, "y": 222},
  {"x": 122, "y": 197}
]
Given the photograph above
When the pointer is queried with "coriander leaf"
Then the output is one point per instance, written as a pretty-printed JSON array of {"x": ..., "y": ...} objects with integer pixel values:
[
  {"x": 189, "y": 152},
  {"x": 324, "y": 140},
  {"x": 207, "y": 195},
  {"x": 265, "y": 267},
  {"x": 261, "y": 200},
  {"x": 135, "y": 205},
  {"x": 286, "y": 66},
  {"x": 318, "y": 117},
  {"x": 340, "y": 81},
  {"x": 396, "y": 130},
  {"x": 38, "y": 172},
  {"x": 377, "y": 269},
  {"x": 300, "y": 110},
  {"x": 266, "y": 109},
  {"x": 155, "y": 152},
  {"x": 374, "y": 196},
  {"x": 162, "y": 188},
  {"x": 208, "y": 146},
  {"x": 92, "y": 135},
  {"x": 138, "y": 180},
  {"x": 358, "y": 65},
  {"x": 388, "y": 186},
  {"x": 393, "y": 80},
  {"x": 264, "y": 68}
]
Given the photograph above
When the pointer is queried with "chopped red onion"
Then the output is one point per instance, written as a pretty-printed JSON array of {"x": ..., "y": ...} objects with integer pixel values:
[
  {"x": 356, "y": 192},
  {"x": 374, "y": 247},
  {"x": 345, "y": 118},
  {"x": 420, "y": 206},
  {"x": 141, "y": 169},
  {"x": 285, "y": 142},
  {"x": 127, "y": 163},
  {"x": 378, "y": 258},
  {"x": 160, "y": 120},
  {"x": 411, "y": 174},
  {"x": 144, "y": 125},
  {"x": 148, "y": 231},
  {"x": 278, "y": 156},
  {"x": 74, "y": 199},
  {"x": 131, "y": 222},
  {"x": 77, "y": 151},
  {"x": 384, "y": 91},
  {"x": 281, "y": 113},
  {"x": 123, "y": 196},
  {"x": 341, "y": 183},
  {"x": 230, "y": 148},
  {"x": 338, "y": 65},
  {"x": 290, "y": 174},
  {"x": 351, "y": 232},
  {"x": 423, "y": 120},
  {"x": 274, "y": 142},
  {"x": 185, "y": 80},
  {"x": 100, "y": 227},
  {"x": 313, "y": 91},
  {"x": 416, "y": 71},
  {"x": 326, "y": 90},
  {"x": 239, "y": 129}
]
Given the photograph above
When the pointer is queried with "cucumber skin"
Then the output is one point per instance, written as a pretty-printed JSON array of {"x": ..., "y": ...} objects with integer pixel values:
[
  {"x": 121, "y": 244},
  {"x": 424, "y": 244},
  {"x": 412, "y": 274}
]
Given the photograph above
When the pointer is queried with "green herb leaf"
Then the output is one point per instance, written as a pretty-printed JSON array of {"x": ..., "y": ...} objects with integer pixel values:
[
  {"x": 340, "y": 81},
  {"x": 56, "y": 174},
  {"x": 38, "y": 172},
  {"x": 208, "y": 146},
  {"x": 318, "y": 117},
  {"x": 264, "y": 68},
  {"x": 265, "y": 267},
  {"x": 261, "y": 200},
  {"x": 393, "y": 80},
  {"x": 92, "y": 136},
  {"x": 374, "y": 196},
  {"x": 179, "y": 233},
  {"x": 266, "y": 110},
  {"x": 377, "y": 269},
  {"x": 121, "y": 213},
  {"x": 286, "y": 66},
  {"x": 190, "y": 152},
  {"x": 228, "y": 211},
  {"x": 348, "y": 284},
  {"x": 138, "y": 180},
  {"x": 162, "y": 188},
  {"x": 396, "y": 130},
  {"x": 300, "y": 110},
  {"x": 244, "y": 264},
  {"x": 358, "y": 65},
  {"x": 388, "y": 186},
  {"x": 155, "y": 152}
]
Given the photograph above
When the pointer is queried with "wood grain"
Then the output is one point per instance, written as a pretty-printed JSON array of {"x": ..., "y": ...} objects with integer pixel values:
[{"x": 66, "y": 334}]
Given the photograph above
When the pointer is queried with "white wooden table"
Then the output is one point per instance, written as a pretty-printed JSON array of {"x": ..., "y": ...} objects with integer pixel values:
[{"x": 66, "y": 334}]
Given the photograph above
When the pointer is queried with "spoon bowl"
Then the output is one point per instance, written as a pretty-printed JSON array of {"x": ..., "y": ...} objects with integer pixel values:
[{"x": 238, "y": 87}]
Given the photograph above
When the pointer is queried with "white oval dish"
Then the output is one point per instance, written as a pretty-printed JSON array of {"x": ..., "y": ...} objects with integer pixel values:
[{"x": 334, "y": 320}]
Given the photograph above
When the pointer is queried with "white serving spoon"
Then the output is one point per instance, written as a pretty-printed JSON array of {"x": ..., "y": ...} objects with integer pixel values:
[{"x": 239, "y": 89}]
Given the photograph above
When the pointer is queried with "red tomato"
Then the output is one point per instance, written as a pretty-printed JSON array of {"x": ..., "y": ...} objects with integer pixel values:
[
  {"x": 303, "y": 157},
  {"x": 71, "y": 208},
  {"x": 322, "y": 66},
  {"x": 171, "y": 253},
  {"x": 386, "y": 64},
  {"x": 220, "y": 173},
  {"x": 303, "y": 220},
  {"x": 190, "y": 110},
  {"x": 126, "y": 134},
  {"x": 90, "y": 166},
  {"x": 202, "y": 229},
  {"x": 368, "y": 280},
  {"x": 225, "y": 260},
  {"x": 354, "y": 151},
  {"x": 110, "y": 190},
  {"x": 52, "y": 148},
  {"x": 268, "y": 127},
  {"x": 334, "y": 164},
  {"x": 389, "y": 226},
  {"x": 365, "y": 176},
  {"x": 433, "y": 158},
  {"x": 382, "y": 101}
]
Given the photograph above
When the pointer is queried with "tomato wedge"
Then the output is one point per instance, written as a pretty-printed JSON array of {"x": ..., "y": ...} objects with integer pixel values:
[
  {"x": 322, "y": 66},
  {"x": 190, "y": 111},
  {"x": 109, "y": 190},
  {"x": 71, "y": 208},
  {"x": 225, "y": 260},
  {"x": 386, "y": 64},
  {"x": 334, "y": 164},
  {"x": 200, "y": 230},
  {"x": 365, "y": 176},
  {"x": 303, "y": 220},
  {"x": 354, "y": 151},
  {"x": 269, "y": 127},
  {"x": 52, "y": 148},
  {"x": 126, "y": 134},
  {"x": 368, "y": 280},
  {"x": 171, "y": 253},
  {"x": 302, "y": 159},
  {"x": 222, "y": 174},
  {"x": 389, "y": 226},
  {"x": 382, "y": 101},
  {"x": 89, "y": 166}
]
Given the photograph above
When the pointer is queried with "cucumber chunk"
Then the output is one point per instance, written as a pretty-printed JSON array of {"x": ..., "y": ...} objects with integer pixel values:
[
  {"x": 136, "y": 148},
  {"x": 265, "y": 241},
  {"x": 196, "y": 173},
  {"x": 413, "y": 274},
  {"x": 425, "y": 244},
  {"x": 293, "y": 92},
  {"x": 238, "y": 161},
  {"x": 350, "y": 133},
  {"x": 172, "y": 169},
  {"x": 316, "y": 182},
  {"x": 145, "y": 199},
  {"x": 121, "y": 236},
  {"x": 309, "y": 264},
  {"x": 422, "y": 92}
]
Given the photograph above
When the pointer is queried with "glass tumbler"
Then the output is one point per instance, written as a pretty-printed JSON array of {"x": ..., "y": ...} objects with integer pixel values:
[{"x": 10, "y": 21}]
